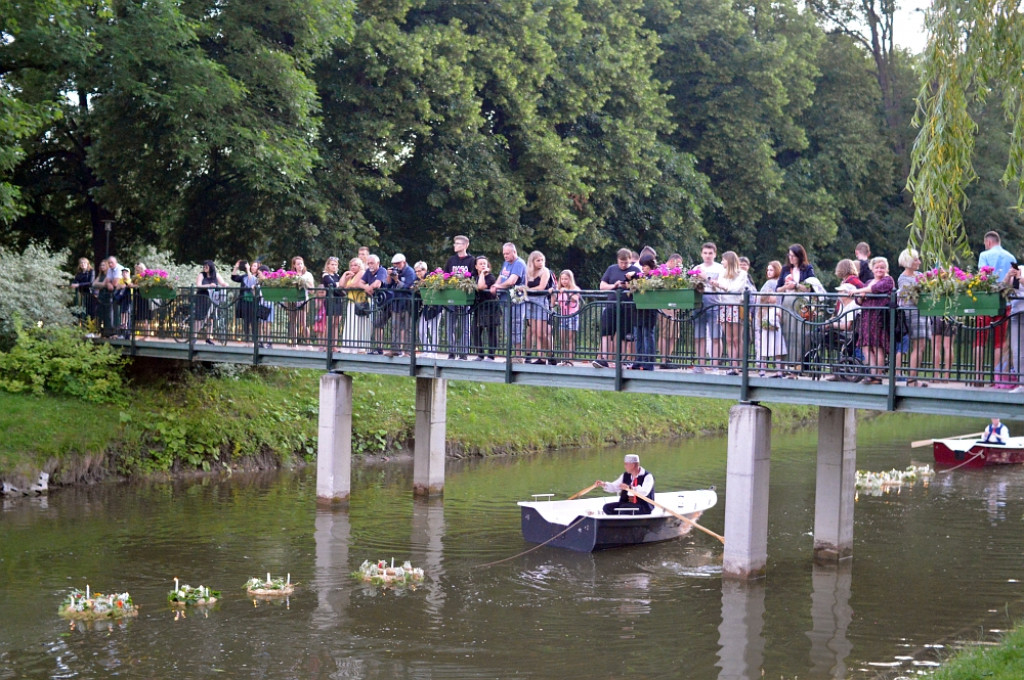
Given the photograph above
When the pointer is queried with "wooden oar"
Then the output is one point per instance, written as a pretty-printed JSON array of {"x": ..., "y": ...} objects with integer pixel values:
[
  {"x": 926, "y": 442},
  {"x": 672, "y": 512},
  {"x": 583, "y": 491}
]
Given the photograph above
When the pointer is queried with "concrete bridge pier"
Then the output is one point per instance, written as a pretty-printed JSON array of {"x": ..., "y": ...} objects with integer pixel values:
[
  {"x": 334, "y": 439},
  {"x": 428, "y": 448},
  {"x": 746, "y": 508},
  {"x": 835, "y": 484}
]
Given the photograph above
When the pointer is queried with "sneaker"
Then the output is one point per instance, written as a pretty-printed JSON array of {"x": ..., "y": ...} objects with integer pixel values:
[
  {"x": 464, "y": 356},
  {"x": 451, "y": 356},
  {"x": 518, "y": 360},
  {"x": 599, "y": 363},
  {"x": 760, "y": 374},
  {"x": 698, "y": 369},
  {"x": 210, "y": 342},
  {"x": 1017, "y": 390},
  {"x": 479, "y": 358},
  {"x": 732, "y": 371}
]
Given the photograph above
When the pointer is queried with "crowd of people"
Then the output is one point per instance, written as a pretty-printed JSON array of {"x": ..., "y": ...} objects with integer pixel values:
[{"x": 370, "y": 307}]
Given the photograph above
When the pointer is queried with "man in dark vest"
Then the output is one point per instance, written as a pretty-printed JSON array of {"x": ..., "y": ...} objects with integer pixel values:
[{"x": 635, "y": 478}]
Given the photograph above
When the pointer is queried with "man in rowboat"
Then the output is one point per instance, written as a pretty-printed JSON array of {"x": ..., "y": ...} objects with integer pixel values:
[
  {"x": 995, "y": 433},
  {"x": 634, "y": 478}
]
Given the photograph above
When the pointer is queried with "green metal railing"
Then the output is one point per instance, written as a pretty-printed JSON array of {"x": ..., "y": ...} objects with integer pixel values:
[{"x": 794, "y": 336}]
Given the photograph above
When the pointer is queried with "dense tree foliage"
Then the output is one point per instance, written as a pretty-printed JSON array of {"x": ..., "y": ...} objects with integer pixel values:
[{"x": 574, "y": 126}]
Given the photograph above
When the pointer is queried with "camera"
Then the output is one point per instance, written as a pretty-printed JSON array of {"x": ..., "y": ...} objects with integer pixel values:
[{"x": 392, "y": 271}]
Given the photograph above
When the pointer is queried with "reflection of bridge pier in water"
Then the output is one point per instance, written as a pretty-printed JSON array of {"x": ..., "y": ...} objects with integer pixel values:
[
  {"x": 740, "y": 635},
  {"x": 428, "y": 529},
  {"x": 831, "y": 615},
  {"x": 332, "y": 534}
]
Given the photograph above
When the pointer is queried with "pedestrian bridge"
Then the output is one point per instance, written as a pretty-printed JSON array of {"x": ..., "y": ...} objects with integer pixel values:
[{"x": 535, "y": 344}]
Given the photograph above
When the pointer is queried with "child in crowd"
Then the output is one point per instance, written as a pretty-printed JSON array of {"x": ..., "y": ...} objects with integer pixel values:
[
  {"x": 771, "y": 345},
  {"x": 567, "y": 307}
]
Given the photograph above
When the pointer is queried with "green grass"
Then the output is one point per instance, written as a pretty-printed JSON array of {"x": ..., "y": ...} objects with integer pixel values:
[
  {"x": 1004, "y": 661},
  {"x": 190, "y": 419}
]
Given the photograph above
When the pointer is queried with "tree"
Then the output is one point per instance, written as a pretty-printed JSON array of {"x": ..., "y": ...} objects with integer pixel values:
[{"x": 975, "y": 48}]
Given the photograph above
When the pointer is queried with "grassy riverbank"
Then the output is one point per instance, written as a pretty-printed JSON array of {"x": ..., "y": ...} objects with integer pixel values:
[
  {"x": 1004, "y": 661},
  {"x": 268, "y": 416}
]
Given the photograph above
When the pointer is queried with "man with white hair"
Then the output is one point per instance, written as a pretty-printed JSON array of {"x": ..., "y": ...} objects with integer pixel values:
[{"x": 634, "y": 479}]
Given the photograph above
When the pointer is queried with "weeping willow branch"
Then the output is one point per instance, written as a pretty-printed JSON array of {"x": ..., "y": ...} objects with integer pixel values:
[{"x": 974, "y": 47}]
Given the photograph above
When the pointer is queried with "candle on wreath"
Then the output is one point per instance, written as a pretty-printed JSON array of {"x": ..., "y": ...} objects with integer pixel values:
[
  {"x": 87, "y": 591},
  {"x": 268, "y": 577},
  {"x": 175, "y": 584},
  {"x": 289, "y": 581}
]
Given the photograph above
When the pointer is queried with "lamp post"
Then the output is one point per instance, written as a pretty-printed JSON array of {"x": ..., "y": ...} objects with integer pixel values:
[{"x": 107, "y": 224}]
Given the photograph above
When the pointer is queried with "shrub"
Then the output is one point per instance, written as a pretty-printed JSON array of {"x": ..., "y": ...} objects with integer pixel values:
[
  {"x": 35, "y": 289},
  {"x": 58, "y": 360}
]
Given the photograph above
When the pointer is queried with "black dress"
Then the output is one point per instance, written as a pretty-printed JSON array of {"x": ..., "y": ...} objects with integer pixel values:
[{"x": 336, "y": 297}]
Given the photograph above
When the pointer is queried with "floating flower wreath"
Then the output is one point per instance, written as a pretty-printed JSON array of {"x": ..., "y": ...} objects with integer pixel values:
[
  {"x": 185, "y": 596},
  {"x": 276, "y": 587},
  {"x": 379, "y": 573},
  {"x": 83, "y": 606}
]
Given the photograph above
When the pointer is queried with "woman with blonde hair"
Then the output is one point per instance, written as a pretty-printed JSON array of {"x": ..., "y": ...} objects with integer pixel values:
[
  {"x": 539, "y": 284},
  {"x": 731, "y": 284},
  {"x": 567, "y": 311}
]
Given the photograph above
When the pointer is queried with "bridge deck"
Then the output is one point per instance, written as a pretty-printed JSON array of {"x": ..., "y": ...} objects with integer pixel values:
[{"x": 945, "y": 398}]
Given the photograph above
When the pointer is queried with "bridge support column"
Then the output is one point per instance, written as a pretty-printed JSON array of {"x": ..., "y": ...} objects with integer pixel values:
[
  {"x": 428, "y": 448},
  {"x": 836, "y": 484},
  {"x": 334, "y": 439},
  {"x": 746, "y": 505}
]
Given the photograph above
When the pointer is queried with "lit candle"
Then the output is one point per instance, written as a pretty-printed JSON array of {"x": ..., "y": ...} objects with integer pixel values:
[
  {"x": 268, "y": 577},
  {"x": 87, "y": 591},
  {"x": 175, "y": 584},
  {"x": 289, "y": 581}
]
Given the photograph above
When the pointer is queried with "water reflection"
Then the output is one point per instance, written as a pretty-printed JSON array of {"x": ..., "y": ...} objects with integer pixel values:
[
  {"x": 332, "y": 534},
  {"x": 428, "y": 551},
  {"x": 740, "y": 635},
  {"x": 831, "y": 615}
]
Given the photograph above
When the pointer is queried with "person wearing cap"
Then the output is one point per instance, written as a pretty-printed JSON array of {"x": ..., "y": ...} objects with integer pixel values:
[
  {"x": 374, "y": 280},
  {"x": 995, "y": 433},
  {"x": 401, "y": 278},
  {"x": 635, "y": 478}
]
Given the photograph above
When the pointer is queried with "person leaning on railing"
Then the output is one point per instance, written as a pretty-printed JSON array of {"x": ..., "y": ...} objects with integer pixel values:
[
  {"x": 1013, "y": 281},
  {"x": 919, "y": 328},
  {"x": 301, "y": 316},
  {"x": 245, "y": 307},
  {"x": 486, "y": 312}
]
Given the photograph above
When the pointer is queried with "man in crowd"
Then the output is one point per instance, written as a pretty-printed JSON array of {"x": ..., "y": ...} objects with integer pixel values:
[
  {"x": 615, "y": 278},
  {"x": 1001, "y": 261},
  {"x": 513, "y": 273},
  {"x": 863, "y": 254},
  {"x": 707, "y": 331},
  {"x": 459, "y": 320},
  {"x": 401, "y": 277},
  {"x": 375, "y": 278}
]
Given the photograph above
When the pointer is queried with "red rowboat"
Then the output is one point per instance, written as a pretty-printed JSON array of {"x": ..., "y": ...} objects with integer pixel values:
[{"x": 975, "y": 454}]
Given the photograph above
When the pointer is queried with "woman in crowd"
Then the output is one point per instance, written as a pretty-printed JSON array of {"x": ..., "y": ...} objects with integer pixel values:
[
  {"x": 429, "y": 315},
  {"x": 141, "y": 307},
  {"x": 539, "y": 284},
  {"x": 81, "y": 285},
  {"x": 731, "y": 284},
  {"x": 644, "y": 323},
  {"x": 919, "y": 327},
  {"x": 331, "y": 310},
  {"x": 793, "y": 279},
  {"x": 873, "y": 337},
  {"x": 487, "y": 313},
  {"x": 207, "y": 281},
  {"x": 266, "y": 311},
  {"x": 358, "y": 330},
  {"x": 301, "y": 316},
  {"x": 848, "y": 271},
  {"x": 246, "y": 307},
  {"x": 772, "y": 271},
  {"x": 567, "y": 304},
  {"x": 668, "y": 322}
]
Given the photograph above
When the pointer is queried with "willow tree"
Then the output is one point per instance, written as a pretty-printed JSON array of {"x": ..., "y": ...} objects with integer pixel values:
[{"x": 975, "y": 48}]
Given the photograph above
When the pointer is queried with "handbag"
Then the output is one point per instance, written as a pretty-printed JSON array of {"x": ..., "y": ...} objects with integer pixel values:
[{"x": 362, "y": 308}]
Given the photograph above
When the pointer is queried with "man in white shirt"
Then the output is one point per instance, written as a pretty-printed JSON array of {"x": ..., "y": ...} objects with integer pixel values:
[
  {"x": 996, "y": 433},
  {"x": 634, "y": 479},
  {"x": 707, "y": 331}
]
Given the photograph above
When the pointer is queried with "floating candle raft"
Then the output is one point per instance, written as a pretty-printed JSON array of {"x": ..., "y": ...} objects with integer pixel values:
[
  {"x": 277, "y": 587},
  {"x": 379, "y": 573},
  {"x": 877, "y": 483},
  {"x": 85, "y": 606},
  {"x": 186, "y": 596}
]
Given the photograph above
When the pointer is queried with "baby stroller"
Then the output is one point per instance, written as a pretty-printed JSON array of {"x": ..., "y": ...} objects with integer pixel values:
[{"x": 834, "y": 352}]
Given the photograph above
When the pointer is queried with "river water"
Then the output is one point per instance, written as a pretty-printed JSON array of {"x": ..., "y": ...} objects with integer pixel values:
[{"x": 933, "y": 566}]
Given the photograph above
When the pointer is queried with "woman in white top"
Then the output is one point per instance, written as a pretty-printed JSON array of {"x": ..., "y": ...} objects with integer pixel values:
[
  {"x": 730, "y": 311},
  {"x": 299, "y": 320}
]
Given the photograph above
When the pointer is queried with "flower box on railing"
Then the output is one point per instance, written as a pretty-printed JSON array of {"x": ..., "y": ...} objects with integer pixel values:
[
  {"x": 682, "y": 298},
  {"x": 282, "y": 294},
  {"x": 158, "y": 292},
  {"x": 452, "y": 297},
  {"x": 981, "y": 304}
]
